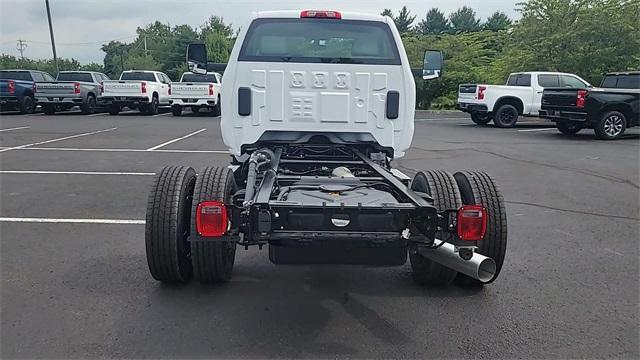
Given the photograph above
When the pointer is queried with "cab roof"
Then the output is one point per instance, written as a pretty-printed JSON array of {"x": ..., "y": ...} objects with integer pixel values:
[{"x": 295, "y": 14}]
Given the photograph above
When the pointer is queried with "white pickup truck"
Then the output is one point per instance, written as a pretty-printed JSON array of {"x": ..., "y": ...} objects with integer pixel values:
[
  {"x": 136, "y": 89},
  {"x": 197, "y": 91},
  {"x": 521, "y": 95}
]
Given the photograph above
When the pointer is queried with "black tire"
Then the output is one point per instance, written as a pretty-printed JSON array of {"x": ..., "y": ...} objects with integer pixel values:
[
  {"x": 49, "y": 109},
  {"x": 611, "y": 126},
  {"x": 168, "y": 223},
  {"x": 568, "y": 128},
  {"x": 506, "y": 116},
  {"x": 479, "y": 188},
  {"x": 442, "y": 187},
  {"x": 114, "y": 110},
  {"x": 152, "y": 107},
  {"x": 213, "y": 260},
  {"x": 27, "y": 105},
  {"x": 89, "y": 107},
  {"x": 481, "y": 118},
  {"x": 217, "y": 109},
  {"x": 176, "y": 110}
]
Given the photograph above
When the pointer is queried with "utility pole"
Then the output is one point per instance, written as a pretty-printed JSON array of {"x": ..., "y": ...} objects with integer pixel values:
[
  {"x": 145, "y": 46},
  {"x": 22, "y": 44},
  {"x": 53, "y": 42},
  {"x": 122, "y": 58}
]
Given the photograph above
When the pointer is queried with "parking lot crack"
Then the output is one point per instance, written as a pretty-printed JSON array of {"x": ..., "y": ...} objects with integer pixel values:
[{"x": 575, "y": 211}]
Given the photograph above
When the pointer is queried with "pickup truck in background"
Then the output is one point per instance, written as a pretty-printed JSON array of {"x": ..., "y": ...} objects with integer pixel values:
[
  {"x": 520, "y": 96},
  {"x": 70, "y": 89},
  {"x": 609, "y": 109},
  {"x": 136, "y": 89},
  {"x": 17, "y": 89},
  {"x": 197, "y": 91}
]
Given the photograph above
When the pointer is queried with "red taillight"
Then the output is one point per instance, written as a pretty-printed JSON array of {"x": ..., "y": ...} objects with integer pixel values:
[
  {"x": 472, "y": 222},
  {"x": 169, "y": 88},
  {"x": 211, "y": 219},
  {"x": 76, "y": 88},
  {"x": 580, "y": 99},
  {"x": 143, "y": 87},
  {"x": 101, "y": 87},
  {"x": 12, "y": 87},
  {"x": 321, "y": 14},
  {"x": 481, "y": 90},
  {"x": 210, "y": 89}
]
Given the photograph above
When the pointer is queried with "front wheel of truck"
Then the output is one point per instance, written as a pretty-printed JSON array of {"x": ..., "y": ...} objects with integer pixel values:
[
  {"x": 213, "y": 259},
  {"x": 479, "y": 188},
  {"x": 168, "y": 224},
  {"x": 441, "y": 185}
]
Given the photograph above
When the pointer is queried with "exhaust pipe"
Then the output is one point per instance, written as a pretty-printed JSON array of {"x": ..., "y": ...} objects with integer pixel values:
[{"x": 479, "y": 267}]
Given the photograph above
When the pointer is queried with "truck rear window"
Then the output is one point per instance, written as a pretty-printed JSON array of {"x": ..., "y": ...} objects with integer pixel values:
[
  {"x": 138, "y": 75},
  {"x": 519, "y": 80},
  {"x": 319, "y": 41},
  {"x": 630, "y": 81},
  {"x": 15, "y": 75},
  {"x": 200, "y": 78},
  {"x": 75, "y": 76}
]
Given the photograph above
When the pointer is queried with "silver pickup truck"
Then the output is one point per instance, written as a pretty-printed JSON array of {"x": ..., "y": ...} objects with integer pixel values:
[{"x": 71, "y": 88}]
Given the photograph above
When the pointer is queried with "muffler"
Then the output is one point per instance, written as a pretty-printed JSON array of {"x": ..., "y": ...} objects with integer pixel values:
[{"x": 479, "y": 267}]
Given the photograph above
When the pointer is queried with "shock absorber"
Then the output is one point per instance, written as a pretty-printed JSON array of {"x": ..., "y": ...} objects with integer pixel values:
[{"x": 258, "y": 159}]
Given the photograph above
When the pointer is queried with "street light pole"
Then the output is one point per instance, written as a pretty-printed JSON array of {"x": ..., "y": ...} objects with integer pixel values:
[{"x": 53, "y": 42}]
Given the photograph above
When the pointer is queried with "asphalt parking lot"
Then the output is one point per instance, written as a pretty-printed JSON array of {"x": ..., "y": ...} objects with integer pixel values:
[{"x": 75, "y": 282}]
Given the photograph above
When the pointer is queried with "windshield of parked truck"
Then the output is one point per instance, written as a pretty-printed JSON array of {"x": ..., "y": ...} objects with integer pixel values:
[
  {"x": 138, "y": 75},
  {"x": 622, "y": 81},
  {"x": 15, "y": 75},
  {"x": 200, "y": 78},
  {"x": 319, "y": 41},
  {"x": 75, "y": 76}
]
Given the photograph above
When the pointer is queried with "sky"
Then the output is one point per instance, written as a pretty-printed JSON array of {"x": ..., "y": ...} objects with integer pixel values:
[{"x": 82, "y": 26}]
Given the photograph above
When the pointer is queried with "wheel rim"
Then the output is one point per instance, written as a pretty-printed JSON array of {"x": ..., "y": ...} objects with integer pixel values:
[
  {"x": 613, "y": 125},
  {"x": 29, "y": 104},
  {"x": 507, "y": 117}
]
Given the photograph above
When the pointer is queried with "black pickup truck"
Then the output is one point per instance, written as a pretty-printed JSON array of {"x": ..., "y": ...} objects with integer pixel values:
[{"x": 609, "y": 109}]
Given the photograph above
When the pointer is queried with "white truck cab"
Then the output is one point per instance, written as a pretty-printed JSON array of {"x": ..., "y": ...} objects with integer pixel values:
[
  {"x": 294, "y": 74},
  {"x": 521, "y": 95}
]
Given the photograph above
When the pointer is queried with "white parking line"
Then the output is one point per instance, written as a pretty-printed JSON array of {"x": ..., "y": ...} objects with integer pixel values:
[
  {"x": 531, "y": 130},
  {"x": 15, "y": 128},
  {"x": 165, "y": 114},
  {"x": 72, "y": 221},
  {"x": 98, "y": 114},
  {"x": 175, "y": 140},
  {"x": 58, "y": 139},
  {"x": 76, "y": 172},
  {"x": 125, "y": 150}
]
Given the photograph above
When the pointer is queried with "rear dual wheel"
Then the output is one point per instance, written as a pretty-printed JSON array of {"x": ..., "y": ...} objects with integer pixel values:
[
  {"x": 443, "y": 189},
  {"x": 451, "y": 192},
  {"x": 170, "y": 221}
]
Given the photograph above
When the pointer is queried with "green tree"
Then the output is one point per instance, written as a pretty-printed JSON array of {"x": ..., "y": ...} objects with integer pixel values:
[
  {"x": 498, "y": 21},
  {"x": 588, "y": 38},
  {"x": 387, "y": 12},
  {"x": 464, "y": 20},
  {"x": 219, "y": 38},
  {"x": 434, "y": 23},
  {"x": 404, "y": 20}
]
